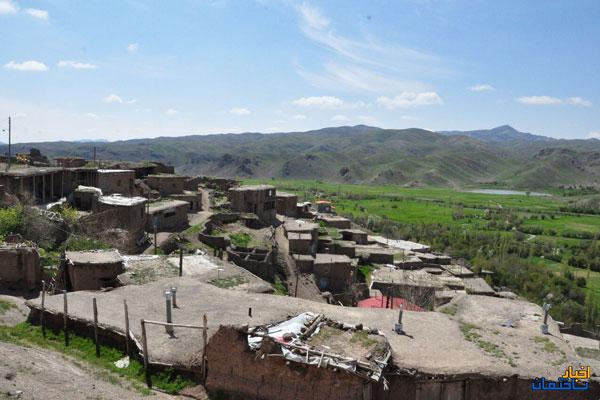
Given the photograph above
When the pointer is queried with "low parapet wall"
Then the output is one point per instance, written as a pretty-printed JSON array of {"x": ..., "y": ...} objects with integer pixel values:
[{"x": 260, "y": 262}]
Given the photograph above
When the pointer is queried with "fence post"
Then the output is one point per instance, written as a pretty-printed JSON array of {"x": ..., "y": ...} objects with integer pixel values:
[
  {"x": 96, "y": 327},
  {"x": 126, "y": 327},
  {"x": 43, "y": 309},
  {"x": 146, "y": 355},
  {"x": 204, "y": 343},
  {"x": 180, "y": 260},
  {"x": 65, "y": 311}
]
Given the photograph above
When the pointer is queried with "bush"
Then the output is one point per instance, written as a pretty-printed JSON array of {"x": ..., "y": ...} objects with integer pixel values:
[{"x": 11, "y": 220}]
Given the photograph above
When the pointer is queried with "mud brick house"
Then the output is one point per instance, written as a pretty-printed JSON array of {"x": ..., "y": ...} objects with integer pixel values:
[
  {"x": 303, "y": 236},
  {"x": 255, "y": 199},
  {"x": 286, "y": 204},
  {"x": 93, "y": 270},
  {"x": 355, "y": 235},
  {"x": 167, "y": 215},
  {"x": 127, "y": 212},
  {"x": 167, "y": 184},
  {"x": 334, "y": 221},
  {"x": 194, "y": 198},
  {"x": 84, "y": 198},
  {"x": 334, "y": 272},
  {"x": 116, "y": 181},
  {"x": 19, "y": 268}
]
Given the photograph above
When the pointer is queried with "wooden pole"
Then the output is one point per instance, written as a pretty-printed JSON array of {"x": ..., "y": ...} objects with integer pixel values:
[
  {"x": 96, "y": 327},
  {"x": 204, "y": 343},
  {"x": 43, "y": 309},
  {"x": 180, "y": 260},
  {"x": 146, "y": 355},
  {"x": 126, "y": 327},
  {"x": 65, "y": 311}
]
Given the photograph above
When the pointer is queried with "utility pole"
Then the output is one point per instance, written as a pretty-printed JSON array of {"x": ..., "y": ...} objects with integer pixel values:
[
  {"x": 9, "y": 146},
  {"x": 94, "y": 156}
]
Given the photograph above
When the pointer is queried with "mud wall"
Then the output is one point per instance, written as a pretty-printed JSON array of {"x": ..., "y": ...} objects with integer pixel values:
[{"x": 234, "y": 373}]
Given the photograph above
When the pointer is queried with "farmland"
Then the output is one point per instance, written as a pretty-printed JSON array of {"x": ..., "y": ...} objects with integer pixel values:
[{"x": 533, "y": 234}]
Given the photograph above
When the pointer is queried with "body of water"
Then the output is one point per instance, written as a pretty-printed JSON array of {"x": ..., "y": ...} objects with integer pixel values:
[{"x": 505, "y": 192}]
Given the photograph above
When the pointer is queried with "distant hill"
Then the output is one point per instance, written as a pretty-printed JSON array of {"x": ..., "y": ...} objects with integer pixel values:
[
  {"x": 363, "y": 154},
  {"x": 504, "y": 133}
]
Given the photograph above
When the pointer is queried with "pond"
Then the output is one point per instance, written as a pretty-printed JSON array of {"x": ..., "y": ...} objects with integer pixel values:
[{"x": 505, "y": 192}]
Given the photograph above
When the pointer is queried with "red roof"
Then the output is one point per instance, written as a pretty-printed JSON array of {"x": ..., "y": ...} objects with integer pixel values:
[{"x": 380, "y": 301}]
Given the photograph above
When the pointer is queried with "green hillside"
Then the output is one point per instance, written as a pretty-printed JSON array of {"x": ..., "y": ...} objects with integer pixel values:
[{"x": 362, "y": 154}]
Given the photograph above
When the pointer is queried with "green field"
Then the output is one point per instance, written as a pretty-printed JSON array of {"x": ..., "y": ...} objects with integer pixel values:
[{"x": 533, "y": 244}]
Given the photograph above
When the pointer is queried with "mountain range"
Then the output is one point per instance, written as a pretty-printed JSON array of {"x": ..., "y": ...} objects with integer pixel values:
[{"x": 500, "y": 156}]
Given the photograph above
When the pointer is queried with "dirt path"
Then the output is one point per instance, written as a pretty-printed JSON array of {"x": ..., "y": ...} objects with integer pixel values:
[{"x": 43, "y": 374}]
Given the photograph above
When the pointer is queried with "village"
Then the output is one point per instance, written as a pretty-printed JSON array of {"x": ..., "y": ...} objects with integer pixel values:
[{"x": 254, "y": 293}]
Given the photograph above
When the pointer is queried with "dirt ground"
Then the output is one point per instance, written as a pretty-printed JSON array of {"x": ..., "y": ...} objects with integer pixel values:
[
  {"x": 35, "y": 373},
  {"x": 45, "y": 374}
]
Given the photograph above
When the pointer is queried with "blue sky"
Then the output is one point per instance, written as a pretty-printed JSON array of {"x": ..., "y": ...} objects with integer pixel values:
[{"x": 131, "y": 69}]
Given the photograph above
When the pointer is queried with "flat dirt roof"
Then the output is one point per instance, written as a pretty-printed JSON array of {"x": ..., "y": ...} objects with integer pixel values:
[
  {"x": 434, "y": 343},
  {"x": 94, "y": 257}
]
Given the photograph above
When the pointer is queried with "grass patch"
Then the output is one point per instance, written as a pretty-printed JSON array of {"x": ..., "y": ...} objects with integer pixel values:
[
  {"x": 194, "y": 229},
  {"x": 365, "y": 271},
  {"x": 6, "y": 305},
  {"x": 588, "y": 353},
  {"x": 362, "y": 338},
  {"x": 84, "y": 349},
  {"x": 240, "y": 239},
  {"x": 547, "y": 346},
  {"x": 449, "y": 309},
  {"x": 470, "y": 332},
  {"x": 229, "y": 282},
  {"x": 280, "y": 288}
]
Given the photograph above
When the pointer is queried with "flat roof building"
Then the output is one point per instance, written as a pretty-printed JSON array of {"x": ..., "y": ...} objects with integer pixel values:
[
  {"x": 255, "y": 199},
  {"x": 93, "y": 270}
]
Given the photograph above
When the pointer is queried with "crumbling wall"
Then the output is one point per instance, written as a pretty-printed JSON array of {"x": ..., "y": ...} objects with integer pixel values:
[
  {"x": 235, "y": 373},
  {"x": 20, "y": 268},
  {"x": 260, "y": 263}
]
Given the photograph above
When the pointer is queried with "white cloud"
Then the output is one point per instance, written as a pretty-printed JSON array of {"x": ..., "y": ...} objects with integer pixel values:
[
  {"x": 357, "y": 78},
  {"x": 20, "y": 115},
  {"x": 112, "y": 98},
  {"x": 408, "y": 118},
  {"x": 133, "y": 47},
  {"x": 539, "y": 100},
  {"x": 363, "y": 63},
  {"x": 410, "y": 99},
  {"x": 131, "y": 101},
  {"x": 172, "y": 111},
  {"x": 339, "y": 118},
  {"x": 91, "y": 115},
  {"x": 33, "y": 66},
  {"x": 483, "y": 87},
  {"x": 240, "y": 111},
  {"x": 326, "y": 103},
  {"x": 312, "y": 16},
  {"x": 8, "y": 7},
  {"x": 594, "y": 135},
  {"x": 299, "y": 117},
  {"x": 75, "y": 64},
  {"x": 578, "y": 101},
  {"x": 35, "y": 13}
]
